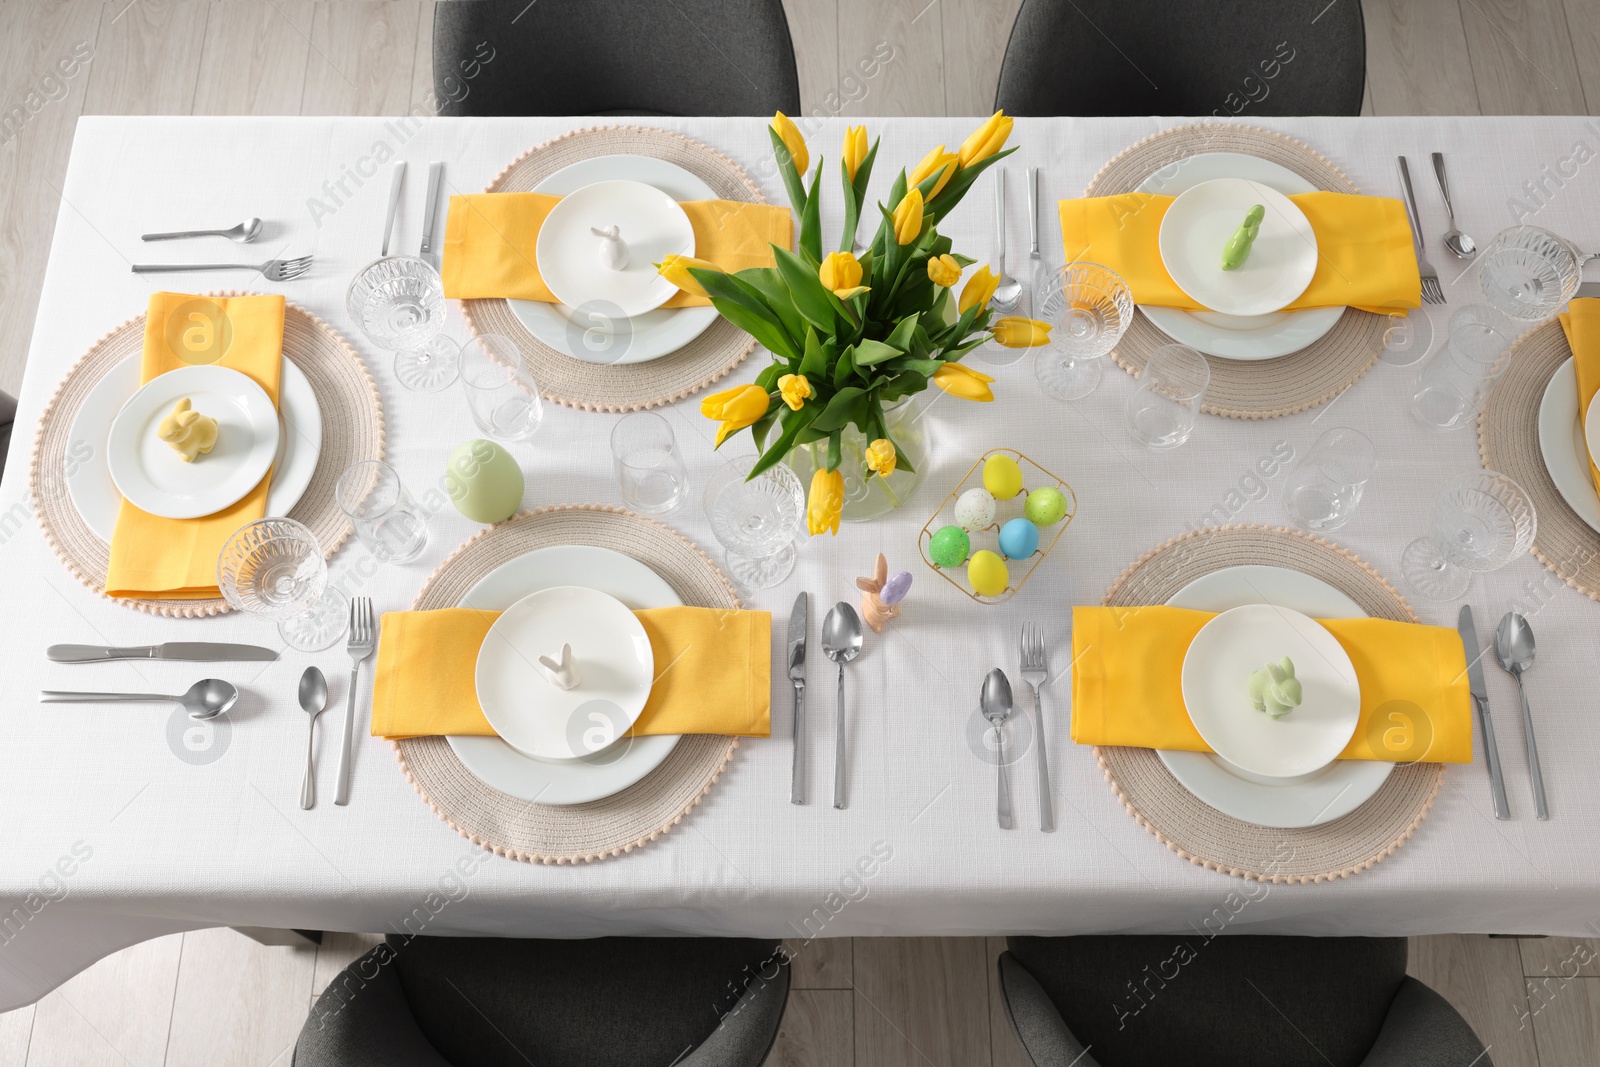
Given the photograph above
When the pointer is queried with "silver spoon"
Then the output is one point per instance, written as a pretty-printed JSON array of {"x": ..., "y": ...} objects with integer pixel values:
[
  {"x": 1460, "y": 245},
  {"x": 206, "y": 699},
  {"x": 313, "y": 698},
  {"x": 244, "y": 233},
  {"x": 1513, "y": 647},
  {"x": 996, "y": 703},
  {"x": 1007, "y": 290},
  {"x": 841, "y": 642}
]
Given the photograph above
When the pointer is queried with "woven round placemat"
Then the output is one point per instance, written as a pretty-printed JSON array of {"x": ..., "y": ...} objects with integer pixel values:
[
  {"x": 1508, "y": 441},
  {"x": 1261, "y": 389},
  {"x": 634, "y": 386},
  {"x": 1200, "y": 833},
  {"x": 352, "y": 430},
  {"x": 548, "y": 833}
]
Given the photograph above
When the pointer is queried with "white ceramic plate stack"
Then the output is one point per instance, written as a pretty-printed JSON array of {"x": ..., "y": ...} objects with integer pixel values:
[{"x": 1567, "y": 436}]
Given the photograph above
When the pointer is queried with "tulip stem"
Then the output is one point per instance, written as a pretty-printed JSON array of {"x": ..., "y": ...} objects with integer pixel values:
[{"x": 890, "y": 491}]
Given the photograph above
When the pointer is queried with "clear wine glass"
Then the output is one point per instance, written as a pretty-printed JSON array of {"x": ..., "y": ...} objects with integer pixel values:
[
  {"x": 1529, "y": 273},
  {"x": 501, "y": 393},
  {"x": 756, "y": 520},
  {"x": 274, "y": 568},
  {"x": 1088, "y": 307},
  {"x": 398, "y": 301},
  {"x": 1324, "y": 488},
  {"x": 1481, "y": 522},
  {"x": 1162, "y": 409}
]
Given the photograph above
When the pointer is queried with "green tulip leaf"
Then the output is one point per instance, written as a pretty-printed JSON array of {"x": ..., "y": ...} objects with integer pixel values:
[{"x": 805, "y": 288}]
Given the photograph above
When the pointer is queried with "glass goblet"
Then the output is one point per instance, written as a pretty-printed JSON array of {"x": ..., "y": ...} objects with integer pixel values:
[
  {"x": 398, "y": 302},
  {"x": 274, "y": 568},
  {"x": 1088, "y": 307},
  {"x": 756, "y": 520},
  {"x": 1482, "y": 521}
]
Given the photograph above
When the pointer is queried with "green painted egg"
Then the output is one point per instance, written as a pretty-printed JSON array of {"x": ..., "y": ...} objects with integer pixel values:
[
  {"x": 987, "y": 573},
  {"x": 1002, "y": 477},
  {"x": 1046, "y": 506},
  {"x": 950, "y": 546},
  {"x": 484, "y": 482}
]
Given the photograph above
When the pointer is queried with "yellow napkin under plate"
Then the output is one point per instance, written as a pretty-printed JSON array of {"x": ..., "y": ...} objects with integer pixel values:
[
  {"x": 489, "y": 241},
  {"x": 1127, "y": 688},
  {"x": 1365, "y": 258},
  {"x": 176, "y": 559},
  {"x": 1581, "y": 323},
  {"x": 713, "y": 673}
]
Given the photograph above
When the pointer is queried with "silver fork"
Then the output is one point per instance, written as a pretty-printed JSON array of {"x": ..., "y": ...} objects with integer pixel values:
[
  {"x": 278, "y": 270},
  {"x": 363, "y": 640},
  {"x": 1432, "y": 291},
  {"x": 1036, "y": 671}
]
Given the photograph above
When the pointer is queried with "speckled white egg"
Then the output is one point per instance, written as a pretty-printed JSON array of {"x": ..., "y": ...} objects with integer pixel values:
[{"x": 975, "y": 509}]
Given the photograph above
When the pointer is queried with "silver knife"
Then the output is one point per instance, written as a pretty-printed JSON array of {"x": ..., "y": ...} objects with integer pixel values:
[
  {"x": 202, "y": 651},
  {"x": 1587, "y": 291},
  {"x": 1035, "y": 263},
  {"x": 1480, "y": 701},
  {"x": 435, "y": 180},
  {"x": 396, "y": 183},
  {"x": 797, "y": 675}
]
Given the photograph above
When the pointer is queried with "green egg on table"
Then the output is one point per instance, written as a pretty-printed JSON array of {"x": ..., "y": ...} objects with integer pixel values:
[
  {"x": 1046, "y": 506},
  {"x": 950, "y": 546},
  {"x": 1002, "y": 477},
  {"x": 987, "y": 573},
  {"x": 484, "y": 482}
]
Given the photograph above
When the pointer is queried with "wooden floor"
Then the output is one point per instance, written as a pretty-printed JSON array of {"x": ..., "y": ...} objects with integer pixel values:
[{"x": 215, "y": 998}]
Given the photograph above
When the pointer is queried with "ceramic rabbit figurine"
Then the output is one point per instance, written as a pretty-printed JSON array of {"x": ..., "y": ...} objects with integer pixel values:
[
  {"x": 1274, "y": 690},
  {"x": 613, "y": 249},
  {"x": 188, "y": 431},
  {"x": 881, "y": 594},
  {"x": 563, "y": 673}
]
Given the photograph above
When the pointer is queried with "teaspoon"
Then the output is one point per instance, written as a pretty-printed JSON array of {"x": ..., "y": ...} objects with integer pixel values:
[
  {"x": 996, "y": 704},
  {"x": 1460, "y": 245},
  {"x": 1007, "y": 290},
  {"x": 244, "y": 233},
  {"x": 1513, "y": 647},
  {"x": 313, "y": 698},
  {"x": 205, "y": 699}
]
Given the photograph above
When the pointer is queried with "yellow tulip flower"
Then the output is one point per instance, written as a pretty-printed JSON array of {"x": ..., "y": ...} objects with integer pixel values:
[
  {"x": 908, "y": 218},
  {"x": 963, "y": 382},
  {"x": 854, "y": 150},
  {"x": 737, "y": 408},
  {"x": 825, "y": 502},
  {"x": 1016, "y": 332},
  {"x": 881, "y": 457},
  {"x": 944, "y": 271},
  {"x": 789, "y": 134},
  {"x": 940, "y": 162},
  {"x": 978, "y": 290},
  {"x": 675, "y": 269},
  {"x": 841, "y": 272},
  {"x": 986, "y": 140},
  {"x": 795, "y": 390}
]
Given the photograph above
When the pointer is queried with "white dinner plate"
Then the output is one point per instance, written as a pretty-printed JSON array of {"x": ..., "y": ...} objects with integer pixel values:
[
  {"x": 610, "y": 770},
  {"x": 88, "y": 470},
  {"x": 588, "y": 334},
  {"x": 1561, "y": 443},
  {"x": 1229, "y": 336},
  {"x": 1200, "y": 222},
  {"x": 571, "y": 257},
  {"x": 1330, "y": 793},
  {"x": 1591, "y": 424},
  {"x": 154, "y": 477}
]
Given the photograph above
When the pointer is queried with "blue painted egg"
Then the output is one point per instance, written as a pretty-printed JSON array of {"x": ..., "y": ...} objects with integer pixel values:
[{"x": 1019, "y": 539}]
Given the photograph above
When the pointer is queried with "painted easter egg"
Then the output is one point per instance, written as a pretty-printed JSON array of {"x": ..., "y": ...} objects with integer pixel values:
[
  {"x": 1019, "y": 539},
  {"x": 975, "y": 509},
  {"x": 950, "y": 546},
  {"x": 987, "y": 573},
  {"x": 1002, "y": 477},
  {"x": 1046, "y": 506}
]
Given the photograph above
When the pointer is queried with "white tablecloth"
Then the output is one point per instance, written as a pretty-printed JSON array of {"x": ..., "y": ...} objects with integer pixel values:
[{"x": 160, "y": 833}]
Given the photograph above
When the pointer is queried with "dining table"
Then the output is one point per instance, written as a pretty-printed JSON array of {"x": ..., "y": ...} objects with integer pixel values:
[{"x": 128, "y": 822}]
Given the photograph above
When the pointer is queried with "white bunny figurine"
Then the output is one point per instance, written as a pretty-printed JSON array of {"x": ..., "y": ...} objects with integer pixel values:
[
  {"x": 613, "y": 250},
  {"x": 562, "y": 674}
]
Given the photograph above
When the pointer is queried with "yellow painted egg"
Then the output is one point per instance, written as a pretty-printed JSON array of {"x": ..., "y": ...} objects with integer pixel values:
[
  {"x": 1002, "y": 477},
  {"x": 987, "y": 573}
]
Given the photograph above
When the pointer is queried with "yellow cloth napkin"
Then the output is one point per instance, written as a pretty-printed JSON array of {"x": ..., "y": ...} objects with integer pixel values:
[
  {"x": 1127, "y": 684},
  {"x": 176, "y": 559},
  {"x": 713, "y": 673},
  {"x": 1364, "y": 252},
  {"x": 489, "y": 241},
  {"x": 1581, "y": 321}
]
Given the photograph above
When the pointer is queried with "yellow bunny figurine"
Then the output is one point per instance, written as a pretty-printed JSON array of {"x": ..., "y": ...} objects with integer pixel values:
[{"x": 187, "y": 431}]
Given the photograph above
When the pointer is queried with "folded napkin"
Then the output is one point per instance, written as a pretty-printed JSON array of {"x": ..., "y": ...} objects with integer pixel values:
[
  {"x": 1127, "y": 681},
  {"x": 713, "y": 673},
  {"x": 176, "y": 559},
  {"x": 1581, "y": 321},
  {"x": 1364, "y": 252},
  {"x": 489, "y": 241}
]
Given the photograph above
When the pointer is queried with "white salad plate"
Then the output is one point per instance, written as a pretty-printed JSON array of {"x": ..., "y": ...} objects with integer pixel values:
[
  {"x": 1562, "y": 444},
  {"x": 612, "y": 769},
  {"x": 1229, "y": 336},
  {"x": 589, "y": 334},
  {"x": 1328, "y": 793},
  {"x": 1197, "y": 227},
  {"x": 570, "y": 255},
  {"x": 155, "y": 478},
  {"x": 88, "y": 468}
]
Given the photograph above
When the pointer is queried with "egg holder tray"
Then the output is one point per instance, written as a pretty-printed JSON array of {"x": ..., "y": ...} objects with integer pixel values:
[{"x": 1033, "y": 477}]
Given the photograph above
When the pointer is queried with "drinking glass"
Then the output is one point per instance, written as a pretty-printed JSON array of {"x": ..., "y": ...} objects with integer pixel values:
[
  {"x": 1529, "y": 273},
  {"x": 1161, "y": 410},
  {"x": 501, "y": 393},
  {"x": 756, "y": 520},
  {"x": 387, "y": 522},
  {"x": 398, "y": 302},
  {"x": 1453, "y": 383},
  {"x": 1088, "y": 308},
  {"x": 1481, "y": 521},
  {"x": 274, "y": 567},
  {"x": 649, "y": 467},
  {"x": 1325, "y": 487}
]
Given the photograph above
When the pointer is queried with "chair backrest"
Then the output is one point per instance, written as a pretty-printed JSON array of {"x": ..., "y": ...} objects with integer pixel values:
[
  {"x": 8, "y": 416},
  {"x": 613, "y": 57},
  {"x": 1217, "y": 58}
]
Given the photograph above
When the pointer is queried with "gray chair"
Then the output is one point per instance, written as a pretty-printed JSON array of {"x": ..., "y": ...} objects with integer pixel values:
[
  {"x": 1218, "y": 58},
  {"x": 614, "y": 57},
  {"x": 1226, "y": 1000},
  {"x": 603, "y": 1002},
  {"x": 8, "y": 418}
]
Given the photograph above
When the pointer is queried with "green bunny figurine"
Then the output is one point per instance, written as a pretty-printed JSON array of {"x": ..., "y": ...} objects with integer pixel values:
[
  {"x": 1238, "y": 246},
  {"x": 1274, "y": 690}
]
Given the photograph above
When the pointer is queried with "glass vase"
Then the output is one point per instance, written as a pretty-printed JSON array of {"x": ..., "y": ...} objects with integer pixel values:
[{"x": 867, "y": 496}]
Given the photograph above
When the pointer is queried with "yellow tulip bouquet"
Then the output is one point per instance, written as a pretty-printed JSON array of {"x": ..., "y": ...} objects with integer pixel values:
[{"x": 849, "y": 334}]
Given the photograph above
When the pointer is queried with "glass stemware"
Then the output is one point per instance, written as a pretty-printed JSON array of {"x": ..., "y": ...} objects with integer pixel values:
[
  {"x": 650, "y": 471},
  {"x": 398, "y": 302},
  {"x": 501, "y": 393},
  {"x": 1529, "y": 273},
  {"x": 1482, "y": 521},
  {"x": 1088, "y": 307},
  {"x": 274, "y": 568},
  {"x": 1454, "y": 382},
  {"x": 1162, "y": 409},
  {"x": 756, "y": 520},
  {"x": 386, "y": 520},
  {"x": 1324, "y": 488}
]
